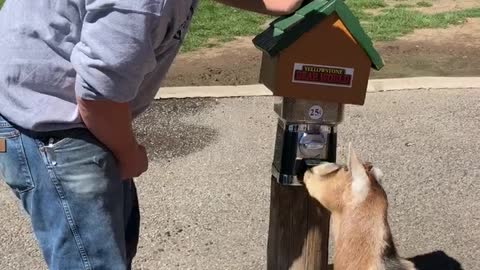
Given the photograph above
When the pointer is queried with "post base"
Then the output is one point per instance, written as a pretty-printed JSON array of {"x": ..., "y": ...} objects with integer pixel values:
[{"x": 298, "y": 231}]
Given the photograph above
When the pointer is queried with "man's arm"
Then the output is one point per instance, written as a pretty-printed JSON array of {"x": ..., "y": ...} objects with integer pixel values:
[
  {"x": 270, "y": 7},
  {"x": 110, "y": 122},
  {"x": 115, "y": 53}
]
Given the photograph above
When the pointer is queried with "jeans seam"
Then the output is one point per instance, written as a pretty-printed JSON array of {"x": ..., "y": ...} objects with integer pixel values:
[
  {"x": 5, "y": 124},
  {"x": 68, "y": 214},
  {"x": 25, "y": 168}
]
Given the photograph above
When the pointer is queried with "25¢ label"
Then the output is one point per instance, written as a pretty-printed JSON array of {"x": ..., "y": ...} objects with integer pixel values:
[{"x": 315, "y": 112}]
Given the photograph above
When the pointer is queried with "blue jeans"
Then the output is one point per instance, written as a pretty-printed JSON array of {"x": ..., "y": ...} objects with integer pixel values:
[{"x": 82, "y": 214}]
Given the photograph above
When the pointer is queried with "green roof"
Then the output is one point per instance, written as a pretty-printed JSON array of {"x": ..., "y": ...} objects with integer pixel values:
[{"x": 287, "y": 29}]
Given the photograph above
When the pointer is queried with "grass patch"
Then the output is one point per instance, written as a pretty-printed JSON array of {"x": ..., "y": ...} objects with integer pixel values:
[
  {"x": 424, "y": 4},
  {"x": 215, "y": 23},
  {"x": 403, "y": 6},
  {"x": 394, "y": 23},
  {"x": 365, "y": 4},
  {"x": 361, "y": 14}
]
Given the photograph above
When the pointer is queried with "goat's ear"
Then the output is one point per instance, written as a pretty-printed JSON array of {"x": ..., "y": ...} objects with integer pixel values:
[
  {"x": 360, "y": 181},
  {"x": 377, "y": 174}
]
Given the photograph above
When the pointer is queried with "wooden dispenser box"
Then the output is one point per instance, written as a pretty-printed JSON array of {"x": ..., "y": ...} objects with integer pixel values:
[{"x": 320, "y": 52}]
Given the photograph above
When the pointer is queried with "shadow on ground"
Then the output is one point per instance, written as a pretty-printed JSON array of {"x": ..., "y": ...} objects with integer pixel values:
[
  {"x": 161, "y": 129},
  {"x": 437, "y": 260}
]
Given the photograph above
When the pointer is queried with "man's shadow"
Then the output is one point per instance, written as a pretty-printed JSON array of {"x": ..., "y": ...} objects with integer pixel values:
[{"x": 437, "y": 260}]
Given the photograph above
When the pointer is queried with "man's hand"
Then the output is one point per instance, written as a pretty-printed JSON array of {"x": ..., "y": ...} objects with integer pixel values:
[
  {"x": 111, "y": 124},
  {"x": 270, "y": 7},
  {"x": 134, "y": 164}
]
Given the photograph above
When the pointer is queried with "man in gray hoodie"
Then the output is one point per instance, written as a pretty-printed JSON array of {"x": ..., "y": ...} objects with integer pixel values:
[{"x": 73, "y": 75}]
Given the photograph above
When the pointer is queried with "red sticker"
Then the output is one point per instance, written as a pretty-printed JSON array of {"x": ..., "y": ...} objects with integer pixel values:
[{"x": 323, "y": 75}]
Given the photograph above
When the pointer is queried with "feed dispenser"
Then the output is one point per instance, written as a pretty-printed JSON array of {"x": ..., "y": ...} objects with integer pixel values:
[
  {"x": 315, "y": 61},
  {"x": 306, "y": 136}
]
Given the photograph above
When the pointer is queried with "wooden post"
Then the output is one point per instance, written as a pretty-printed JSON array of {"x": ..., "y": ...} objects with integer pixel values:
[
  {"x": 299, "y": 226},
  {"x": 298, "y": 233}
]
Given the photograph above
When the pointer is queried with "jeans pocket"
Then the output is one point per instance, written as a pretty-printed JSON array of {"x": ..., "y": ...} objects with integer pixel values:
[
  {"x": 14, "y": 168},
  {"x": 61, "y": 142}
]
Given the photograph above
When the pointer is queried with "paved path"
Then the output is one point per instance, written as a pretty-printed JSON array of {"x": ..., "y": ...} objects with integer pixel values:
[
  {"x": 205, "y": 199},
  {"x": 375, "y": 85}
]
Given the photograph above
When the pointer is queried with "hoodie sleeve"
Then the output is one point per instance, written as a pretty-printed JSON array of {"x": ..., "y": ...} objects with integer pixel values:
[{"x": 115, "y": 52}]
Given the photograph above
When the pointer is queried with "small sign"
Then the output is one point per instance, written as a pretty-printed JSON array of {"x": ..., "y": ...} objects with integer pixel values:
[
  {"x": 315, "y": 112},
  {"x": 3, "y": 145},
  {"x": 323, "y": 75}
]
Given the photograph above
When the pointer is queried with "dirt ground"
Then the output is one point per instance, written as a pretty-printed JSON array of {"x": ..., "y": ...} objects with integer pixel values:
[
  {"x": 437, "y": 7},
  {"x": 442, "y": 5},
  {"x": 454, "y": 51}
]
